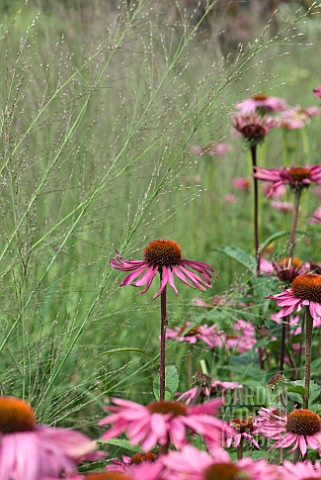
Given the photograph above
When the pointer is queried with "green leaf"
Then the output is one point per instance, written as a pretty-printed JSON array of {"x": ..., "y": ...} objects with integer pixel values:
[
  {"x": 240, "y": 256},
  {"x": 276, "y": 236},
  {"x": 171, "y": 383},
  {"x": 121, "y": 443}
]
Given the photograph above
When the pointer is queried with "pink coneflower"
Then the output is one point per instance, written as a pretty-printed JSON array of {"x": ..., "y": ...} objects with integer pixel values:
[
  {"x": 165, "y": 257},
  {"x": 253, "y": 128},
  {"x": 300, "y": 428},
  {"x": 30, "y": 452},
  {"x": 242, "y": 183},
  {"x": 262, "y": 103},
  {"x": 300, "y": 470},
  {"x": 277, "y": 192},
  {"x": 243, "y": 337},
  {"x": 129, "y": 464},
  {"x": 150, "y": 471},
  {"x": 317, "y": 91},
  {"x": 287, "y": 269},
  {"x": 164, "y": 421},
  {"x": 231, "y": 198},
  {"x": 305, "y": 291},
  {"x": 316, "y": 216},
  {"x": 205, "y": 387},
  {"x": 243, "y": 429},
  {"x": 297, "y": 117},
  {"x": 198, "y": 465},
  {"x": 193, "y": 334},
  {"x": 212, "y": 149},
  {"x": 283, "y": 207},
  {"x": 297, "y": 177}
]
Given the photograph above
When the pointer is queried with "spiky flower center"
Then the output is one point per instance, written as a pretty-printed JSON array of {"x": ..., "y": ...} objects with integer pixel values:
[
  {"x": 201, "y": 380},
  {"x": 191, "y": 332},
  {"x": 303, "y": 422},
  {"x": 260, "y": 97},
  {"x": 307, "y": 287},
  {"x": 232, "y": 336},
  {"x": 299, "y": 173},
  {"x": 243, "y": 425},
  {"x": 225, "y": 471},
  {"x": 143, "y": 457},
  {"x": 108, "y": 476},
  {"x": 288, "y": 262},
  {"x": 174, "y": 409},
  {"x": 275, "y": 380},
  {"x": 163, "y": 253},
  {"x": 253, "y": 131},
  {"x": 16, "y": 415}
]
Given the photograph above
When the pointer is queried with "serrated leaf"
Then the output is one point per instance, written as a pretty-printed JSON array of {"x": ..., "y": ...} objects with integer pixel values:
[
  {"x": 240, "y": 256},
  {"x": 171, "y": 383}
]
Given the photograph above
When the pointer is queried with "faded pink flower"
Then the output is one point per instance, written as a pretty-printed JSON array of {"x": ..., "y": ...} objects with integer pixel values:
[
  {"x": 287, "y": 269},
  {"x": 243, "y": 337},
  {"x": 282, "y": 206},
  {"x": 164, "y": 421},
  {"x": 165, "y": 257},
  {"x": 30, "y": 452},
  {"x": 193, "y": 334},
  {"x": 243, "y": 429},
  {"x": 194, "y": 464},
  {"x": 231, "y": 198},
  {"x": 242, "y": 183},
  {"x": 305, "y": 291},
  {"x": 300, "y": 428},
  {"x": 317, "y": 91},
  {"x": 212, "y": 149},
  {"x": 262, "y": 103},
  {"x": 253, "y": 128},
  {"x": 297, "y": 177},
  {"x": 316, "y": 216},
  {"x": 297, "y": 117},
  {"x": 147, "y": 470},
  {"x": 205, "y": 387}
]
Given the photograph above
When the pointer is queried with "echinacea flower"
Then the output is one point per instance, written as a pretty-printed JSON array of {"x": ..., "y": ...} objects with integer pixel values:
[
  {"x": 30, "y": 451},
  {"x": 305, "y": 291},
  {"x": 164, "y": 421},
  {"x": 300, "y": 470},
  {"x": 231, "y": 198},
  {"x": 262, "y": 103},
  {"x": 165, "y": 257},
  {"x": 242, "y": 183},
  {"x": 243, "y": 337},
  {"x": 283, "y": 207},
  {"x": 297, "y": 117},
  {"x": 253, "y": 128},
  {"x": 243, "y": 429},
  {"x": 204, "y": 386},
  {"x": 193, "y": 334},
  {"x": 297, "y": 177},
  {"x": 316, "y": 216},
  {"x": 317, "y": 91},
  {"x": 287, "y": 269},
  {"x": 150, "y": 471},
  {"x": 194, "y": 464},
  {"x": 300, "y": 428},
  {"x": 212, "y": 149}
]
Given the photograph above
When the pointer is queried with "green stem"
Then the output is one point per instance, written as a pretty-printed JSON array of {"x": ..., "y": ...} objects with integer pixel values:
[
  {"x": 308, "y": 344},
  {"x": 294, "y": 223}
]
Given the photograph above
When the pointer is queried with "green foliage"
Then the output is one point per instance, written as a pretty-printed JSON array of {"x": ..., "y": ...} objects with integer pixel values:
[{"x": 171, "y": 383}]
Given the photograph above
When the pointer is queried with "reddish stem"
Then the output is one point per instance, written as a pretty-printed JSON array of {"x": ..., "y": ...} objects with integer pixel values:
[
  {"x": 256, "y": 212},
  {"x": 308, "y": 347},
  {"x": 162, "y": 372}
]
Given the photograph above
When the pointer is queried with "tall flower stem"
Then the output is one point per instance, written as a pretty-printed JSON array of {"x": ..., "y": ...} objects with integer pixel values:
[
  {"x": 308, "y": 344},
  {"x": 162, "y": 362},
  {"x": 239, "y": 450},
  {"x": 256, "y": 211},
  {"x": 295, "y": 218},
  {"x": 282, "y": 353},
  {"x": 190, "y": 365}
]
